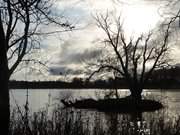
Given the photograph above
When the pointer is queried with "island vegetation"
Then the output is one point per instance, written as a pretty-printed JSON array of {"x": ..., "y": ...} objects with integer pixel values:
[{"x": 134, "y": 60}]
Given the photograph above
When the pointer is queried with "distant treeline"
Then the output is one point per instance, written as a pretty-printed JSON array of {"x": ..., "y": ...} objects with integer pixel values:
[
  {"x": 77, "y": 83},
  {"x": 100, "y": 84},
  {"x": 162, "y": 78}
]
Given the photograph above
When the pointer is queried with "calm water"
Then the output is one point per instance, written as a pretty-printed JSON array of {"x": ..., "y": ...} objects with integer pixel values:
[
  {"x": 151, "y": 122},
  {"x": 39, "y": 99}
]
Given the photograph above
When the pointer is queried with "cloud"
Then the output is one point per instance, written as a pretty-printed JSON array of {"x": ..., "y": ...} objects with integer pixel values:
[
  {"x": 61, "y": 70},
  {"x": 66, "y": 51},
  {"x": 71, "y": 63},
  {"x": 78, "y": 57}
]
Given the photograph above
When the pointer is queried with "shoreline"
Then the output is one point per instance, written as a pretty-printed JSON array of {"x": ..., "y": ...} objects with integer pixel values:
[
  {"x": 88, "y": 85},
  {"x": 84, "y": 89}
]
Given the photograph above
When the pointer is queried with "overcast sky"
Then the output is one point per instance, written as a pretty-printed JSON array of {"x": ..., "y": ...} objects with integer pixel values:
[{"x": 66, "y": 52}]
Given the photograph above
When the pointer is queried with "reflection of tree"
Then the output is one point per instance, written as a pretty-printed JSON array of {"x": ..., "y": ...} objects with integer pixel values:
[
  {"x": 98, "y": 124},
  {"x": 112, "y": 123},
  {"x": 82, "y": 122},
  {"x": 127, "y": 124}
]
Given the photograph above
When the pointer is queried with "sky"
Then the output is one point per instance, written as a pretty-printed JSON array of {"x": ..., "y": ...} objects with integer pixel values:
[{"x": 67, "y": 53}]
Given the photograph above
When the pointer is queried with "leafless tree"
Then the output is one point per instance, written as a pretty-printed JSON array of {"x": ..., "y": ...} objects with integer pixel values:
[
  {"x": 133, "y": 59},
  {"x": 20, "y": 27}
]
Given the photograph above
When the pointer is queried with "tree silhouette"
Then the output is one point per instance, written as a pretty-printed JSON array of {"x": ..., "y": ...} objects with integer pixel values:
[
  {"x": 133, "y": 59},
  {"x": 20, "y": 28}
]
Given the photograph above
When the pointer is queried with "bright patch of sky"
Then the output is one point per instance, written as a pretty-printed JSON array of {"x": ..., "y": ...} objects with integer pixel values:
[{"x": 63, "y": 50}]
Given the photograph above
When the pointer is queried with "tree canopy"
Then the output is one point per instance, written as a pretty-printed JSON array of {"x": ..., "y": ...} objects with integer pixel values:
[{"x": 131, "y": 58}]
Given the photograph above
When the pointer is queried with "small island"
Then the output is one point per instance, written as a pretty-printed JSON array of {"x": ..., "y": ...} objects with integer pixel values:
[{"x": 121, "y": 105}]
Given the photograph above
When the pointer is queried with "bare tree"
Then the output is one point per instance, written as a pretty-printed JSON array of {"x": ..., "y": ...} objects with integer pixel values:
[
  {"x": 20, "y": 27},
  {"x": 133, "y": 59}
]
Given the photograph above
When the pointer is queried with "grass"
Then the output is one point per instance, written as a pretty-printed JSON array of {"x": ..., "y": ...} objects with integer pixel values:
[{"x": 82, "y": 122}]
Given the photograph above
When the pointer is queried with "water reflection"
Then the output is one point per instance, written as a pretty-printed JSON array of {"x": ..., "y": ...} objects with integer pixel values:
[
  {"x": 56, "y": 119},
  {"x": 84, "y": 122}
]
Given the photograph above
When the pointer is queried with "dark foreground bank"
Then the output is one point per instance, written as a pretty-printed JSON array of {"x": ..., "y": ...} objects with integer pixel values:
[{"x": 79, "y": 122}]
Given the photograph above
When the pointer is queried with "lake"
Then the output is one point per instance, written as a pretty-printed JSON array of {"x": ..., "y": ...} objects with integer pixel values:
[{"x": 40, "y": 99}]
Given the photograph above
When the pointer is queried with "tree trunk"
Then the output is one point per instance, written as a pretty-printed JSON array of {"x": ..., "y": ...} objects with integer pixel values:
[
  {"x": 4, "y": 101},
  {"x": 4, "y": 91},
  {"x": 136, "y": 94}
]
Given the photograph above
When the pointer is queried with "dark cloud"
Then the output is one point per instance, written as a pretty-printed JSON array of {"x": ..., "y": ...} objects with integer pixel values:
[
  {"x": 74, "y": 58},
  {"x": 77, "y": 57},
  {"x": 64, "y": 71}
]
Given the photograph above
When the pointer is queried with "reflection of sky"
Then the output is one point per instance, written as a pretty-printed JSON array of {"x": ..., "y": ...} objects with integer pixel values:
[
  {"x": 38, "y": 99},
  {"x": 64, "y": 49}
]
